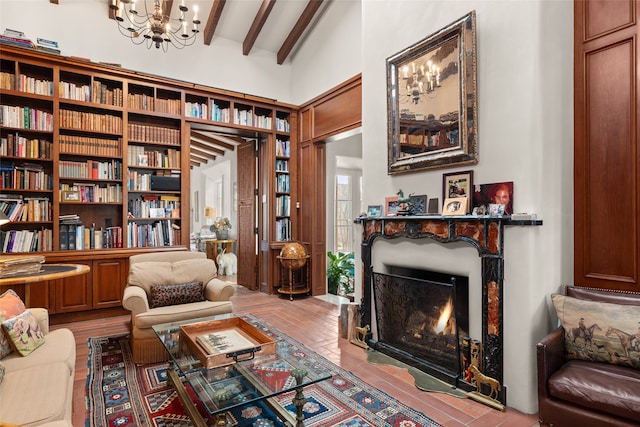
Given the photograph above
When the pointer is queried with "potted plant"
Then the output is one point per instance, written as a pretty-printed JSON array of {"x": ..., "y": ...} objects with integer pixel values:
[
  {"x": 340, "y": 272},
  {"x": 221, "y": 227}
]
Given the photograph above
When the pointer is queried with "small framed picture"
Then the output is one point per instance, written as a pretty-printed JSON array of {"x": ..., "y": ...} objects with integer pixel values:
[
  {"x": 391, "y": 206},
  {"x": 418, "y": 204},
  {"x": 454, "y": 206},
  {"x": 374, "y": 210},
  {"x": 433, "y": 207},
  {"x": 459, "y": 184},
  {"x": 70, "y": 196},
  {"x": 498, "y": 193}
]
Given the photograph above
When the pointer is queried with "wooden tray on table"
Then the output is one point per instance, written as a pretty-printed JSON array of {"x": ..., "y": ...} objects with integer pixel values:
[{"x": 226, "y": 341}]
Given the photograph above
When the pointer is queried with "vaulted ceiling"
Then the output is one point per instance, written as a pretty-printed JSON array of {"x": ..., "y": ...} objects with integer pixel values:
[{"x": 274, "y": 26}]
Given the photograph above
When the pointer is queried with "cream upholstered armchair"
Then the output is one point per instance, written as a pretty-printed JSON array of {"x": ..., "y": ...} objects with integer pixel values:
[{"x": 165, "y": 287}]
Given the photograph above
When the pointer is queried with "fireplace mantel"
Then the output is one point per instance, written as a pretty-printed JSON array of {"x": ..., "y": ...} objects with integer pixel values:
[{"x": 484, "y": 233}]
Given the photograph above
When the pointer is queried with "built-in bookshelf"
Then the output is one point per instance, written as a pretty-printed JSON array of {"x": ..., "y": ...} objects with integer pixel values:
[{"x": 95, "y": 165}]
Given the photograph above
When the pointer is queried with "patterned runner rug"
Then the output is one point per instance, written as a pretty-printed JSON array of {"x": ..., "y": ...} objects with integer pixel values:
[{"x": 120, "y": 393}]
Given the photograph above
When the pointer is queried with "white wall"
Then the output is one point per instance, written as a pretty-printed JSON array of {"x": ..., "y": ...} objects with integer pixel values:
[
  {"x": 81, "y": 28},
  {"x": 525, "y": 111}
]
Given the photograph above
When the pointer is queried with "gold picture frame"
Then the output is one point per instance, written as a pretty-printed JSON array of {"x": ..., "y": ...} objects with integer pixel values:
[
  {"x": 454, "y": 206},
  {"x": 70, "y": 196}
]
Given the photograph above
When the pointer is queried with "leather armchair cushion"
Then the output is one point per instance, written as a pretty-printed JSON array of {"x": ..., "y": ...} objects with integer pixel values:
[{"x": 598, "y": 386}]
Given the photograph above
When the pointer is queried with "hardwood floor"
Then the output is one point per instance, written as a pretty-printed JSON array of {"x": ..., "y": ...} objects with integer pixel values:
[{"x": 314, "y": 322}]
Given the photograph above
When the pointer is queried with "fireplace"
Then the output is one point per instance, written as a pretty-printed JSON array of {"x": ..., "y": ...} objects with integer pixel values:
[
  {"x": 421, "y": 319},
  {"x": 486, "y": 235}
]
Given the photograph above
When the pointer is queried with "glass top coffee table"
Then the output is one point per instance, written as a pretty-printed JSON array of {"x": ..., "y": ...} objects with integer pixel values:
[{"x": 249, "y": 379}]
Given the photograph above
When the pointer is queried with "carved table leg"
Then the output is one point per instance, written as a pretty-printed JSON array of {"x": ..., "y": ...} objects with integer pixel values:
[{"x": 299, "y": 400}]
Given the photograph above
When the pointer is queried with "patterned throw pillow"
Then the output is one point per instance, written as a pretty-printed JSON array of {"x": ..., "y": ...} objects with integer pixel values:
[
  {"x": 10, "y": 305},
  {"x": 163, "y": 295},
  {"x": 24, "y": 332},
  {"x": 600, "y": 331}
]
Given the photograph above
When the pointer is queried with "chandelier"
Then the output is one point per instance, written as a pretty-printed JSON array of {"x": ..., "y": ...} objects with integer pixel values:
[
  {"x": 154, "y": 26},
  {"x": 421, "y": 79}
]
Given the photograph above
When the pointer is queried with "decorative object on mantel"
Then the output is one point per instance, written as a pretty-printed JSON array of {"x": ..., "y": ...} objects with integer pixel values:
[
  {"x": 433, "y": 206},
  {"x": 391, "y": 206},
  {"x": 154, "y": 25},
  {"x": 374, "y": 210},
  {"x": 432, "y": 102},
  {"x": 418, "y": 204},
  {"x": 458, "y": 184},
  {"x": 404, "y": 203}
]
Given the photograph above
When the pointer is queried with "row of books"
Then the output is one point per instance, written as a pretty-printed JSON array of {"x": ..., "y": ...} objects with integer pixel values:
[
  {"x": 25, "y": 176},
  {"x": 282, "y": 165},
  {"x": 20, "y": 265},
  {"x": 34, "y": 85},
  {"x": 90, "y": 121},
  {"x": 152, "y": 206},
  {"x": 74, "y": 144},
  {"x": 47, "y": 45},
  {"x": 263, "y": 122},
  {"x": 220, "y": 113},
  {"x": 243, "y": 117},
  {"x": 19, "y": 146},
  {"x": 153, "y": 134},
  {"x": 98, "y": 92},
  {"x": 14, "y": 241},
  {"x": 282, "y": 183},
  {"x": 77, "y": 236},
  {"x": 283, "y": 205},
  {"x": 283, "y": 229},
  {"x": 140, "y": 101},
  {"x": 198, "y": 110},
  {"x": 24, "y": 117},
  {"x": 283, "y": 148},
  {"x": 7, "y": 80},
  {"x": 30, "y": 209},
  {"x": 90, "y": 169},
  {"x": 282, "y": 125},
  {"x": 171, "y": 106},
  {"x": 139, "y": 155},
  {"x": 139, "y": 181},
  {"x": 156, "y": 234},
  {"x": 92, "y": 193}
]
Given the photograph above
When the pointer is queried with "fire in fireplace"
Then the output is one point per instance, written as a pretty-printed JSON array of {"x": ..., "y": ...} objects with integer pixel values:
[{"x": 421, "y": 318}]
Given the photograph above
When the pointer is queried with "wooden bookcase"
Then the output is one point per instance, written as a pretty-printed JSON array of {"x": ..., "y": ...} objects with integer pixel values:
[{"x": 107, "y": 150}]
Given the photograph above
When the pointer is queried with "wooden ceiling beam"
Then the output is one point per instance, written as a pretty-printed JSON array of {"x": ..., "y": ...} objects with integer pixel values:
[
  {"x": 303, "y": 22},
  {"x": 198, "y": 158},
  {"x": 256, "y": 27},
  {"x": 213, "y": 20},
  {"x": 195, "y": 151},
  {"x": 214, "y": 140},
  {"x": 194, "y": 164},
  {"x": 54, "y": 1},
  {"x": 205, "y": 146}
]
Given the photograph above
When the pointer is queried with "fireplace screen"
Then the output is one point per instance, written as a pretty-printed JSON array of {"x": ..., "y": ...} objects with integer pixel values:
[{"x": 424, "y": 319}]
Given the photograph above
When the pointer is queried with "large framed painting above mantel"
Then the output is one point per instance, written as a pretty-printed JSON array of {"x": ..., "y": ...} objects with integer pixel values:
[{"x": 432, "y": 101}]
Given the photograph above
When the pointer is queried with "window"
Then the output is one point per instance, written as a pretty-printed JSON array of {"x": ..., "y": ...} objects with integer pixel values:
[{"x": 343, "y": 214}]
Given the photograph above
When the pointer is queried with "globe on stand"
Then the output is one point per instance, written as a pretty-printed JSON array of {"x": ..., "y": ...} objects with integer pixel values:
[{"x": 293, "y": 256}]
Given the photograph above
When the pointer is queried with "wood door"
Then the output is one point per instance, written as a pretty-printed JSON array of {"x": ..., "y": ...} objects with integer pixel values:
[
  {"x": 247, "y": 224},
  {"x": 109, "y": 279},
  {"x": 606, "y": 146}
]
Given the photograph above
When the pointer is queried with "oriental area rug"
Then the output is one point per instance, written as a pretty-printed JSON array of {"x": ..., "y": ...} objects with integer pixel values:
[{"x": 120, "y": 393}]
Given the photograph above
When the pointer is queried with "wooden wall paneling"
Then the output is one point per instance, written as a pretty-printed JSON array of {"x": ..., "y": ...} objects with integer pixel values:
[
  {"x": 73, "y": 293},
  {"x": 606, "y": 151},
  {"x": 109, "y": 277},
  {"x": 305, "y": 124}
]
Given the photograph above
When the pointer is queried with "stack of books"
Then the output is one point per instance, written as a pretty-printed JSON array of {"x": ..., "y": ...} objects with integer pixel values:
[
  {"x": 15, "y": 37},
  {"x": 20, "y": 265},
  {"x": 47, "y": 45}
]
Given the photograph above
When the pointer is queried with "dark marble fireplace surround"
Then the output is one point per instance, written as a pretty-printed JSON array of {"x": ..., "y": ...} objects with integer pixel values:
[{"x": 486, "y": 234}]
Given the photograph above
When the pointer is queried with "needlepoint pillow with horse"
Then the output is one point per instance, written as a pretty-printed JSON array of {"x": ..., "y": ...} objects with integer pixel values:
[{"x": 600, "y": 331}]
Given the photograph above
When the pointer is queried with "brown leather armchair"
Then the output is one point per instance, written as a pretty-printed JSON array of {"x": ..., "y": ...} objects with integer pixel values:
[{"x": 584, "y": 393}]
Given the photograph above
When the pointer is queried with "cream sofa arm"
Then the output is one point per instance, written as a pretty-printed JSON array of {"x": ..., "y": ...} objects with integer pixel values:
[
  {"x": 219, "y": 290},
  {"x": 135, "y": 300},
  {"x": 42, "y": 316}
]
